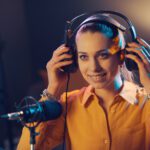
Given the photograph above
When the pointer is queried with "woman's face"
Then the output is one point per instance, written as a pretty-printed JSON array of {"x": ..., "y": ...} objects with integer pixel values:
[{"x": 98, "y": 67}]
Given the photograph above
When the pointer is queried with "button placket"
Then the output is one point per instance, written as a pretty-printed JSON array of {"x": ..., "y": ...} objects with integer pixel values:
[{"x": 106, "y": 141}]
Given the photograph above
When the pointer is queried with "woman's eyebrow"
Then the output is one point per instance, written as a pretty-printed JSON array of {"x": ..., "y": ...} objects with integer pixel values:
[
  {"x": 102, "y": 51},
  {"x": 98, "y": 52},
  {"x": 80, "y": 52}
]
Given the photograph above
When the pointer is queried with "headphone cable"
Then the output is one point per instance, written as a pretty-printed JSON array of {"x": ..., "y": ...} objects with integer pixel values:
[{"x": 66, "y": 111}]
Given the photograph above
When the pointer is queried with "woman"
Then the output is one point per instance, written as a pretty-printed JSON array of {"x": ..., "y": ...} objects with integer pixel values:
[{"x": 111, "y": 113}]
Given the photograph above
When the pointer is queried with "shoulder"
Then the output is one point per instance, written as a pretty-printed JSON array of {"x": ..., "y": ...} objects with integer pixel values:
[
  {"x": 134, "y": 93},
  {"x": 75, "y": 94},
  {"x": 143, "y": 99}
]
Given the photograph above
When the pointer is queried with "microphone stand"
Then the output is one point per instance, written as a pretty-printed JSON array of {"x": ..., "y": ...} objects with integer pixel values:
[
  {"x": 33, "y": 134},
  {"x": 31, "y": 126}
]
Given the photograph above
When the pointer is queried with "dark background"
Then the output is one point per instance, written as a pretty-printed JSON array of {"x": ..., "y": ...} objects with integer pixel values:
[{"x": 29, "y": 32}]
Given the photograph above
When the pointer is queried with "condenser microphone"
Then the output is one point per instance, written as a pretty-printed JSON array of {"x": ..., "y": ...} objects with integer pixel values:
[{"x": 40, "y": 111}]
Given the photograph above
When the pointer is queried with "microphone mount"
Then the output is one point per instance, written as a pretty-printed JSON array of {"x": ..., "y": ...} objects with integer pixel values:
[
  {"x": 30, "y": 113},
  {"x": 27, "y": 102}
]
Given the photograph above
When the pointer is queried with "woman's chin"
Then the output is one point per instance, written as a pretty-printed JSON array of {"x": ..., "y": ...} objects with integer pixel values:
[{"x": 99, "y": 85}]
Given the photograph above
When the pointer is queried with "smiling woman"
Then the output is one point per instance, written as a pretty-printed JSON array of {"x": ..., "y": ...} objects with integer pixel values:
[
  {"x": 110, "y": 113},
  {"x": 99, "y": 59},
  {"x": 102, "y": 44}
]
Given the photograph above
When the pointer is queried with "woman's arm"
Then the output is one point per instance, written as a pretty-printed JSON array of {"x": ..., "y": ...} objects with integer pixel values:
[{"x": 51, "y": 132}]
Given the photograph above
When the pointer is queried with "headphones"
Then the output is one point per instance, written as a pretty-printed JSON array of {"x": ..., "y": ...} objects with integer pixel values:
[{"x": 98, "y": 17}]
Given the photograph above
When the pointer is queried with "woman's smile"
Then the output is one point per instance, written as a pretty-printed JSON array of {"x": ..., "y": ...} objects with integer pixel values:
[{"x": 98, "y": 77}]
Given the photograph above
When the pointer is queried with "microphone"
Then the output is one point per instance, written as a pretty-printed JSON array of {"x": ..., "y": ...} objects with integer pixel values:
[{"x": 41, "y": 111}]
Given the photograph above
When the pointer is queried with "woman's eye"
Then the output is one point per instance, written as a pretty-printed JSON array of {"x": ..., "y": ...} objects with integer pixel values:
[
  {"x": 83, "y": 57},
  {"x": 104, "y": 55}
]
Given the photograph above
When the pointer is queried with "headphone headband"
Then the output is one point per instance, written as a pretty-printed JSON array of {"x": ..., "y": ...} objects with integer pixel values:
[
  {"x": 97, "y": 17},
  {"x": 103, "y": 15},
  {"x": 103, "y": 18}
]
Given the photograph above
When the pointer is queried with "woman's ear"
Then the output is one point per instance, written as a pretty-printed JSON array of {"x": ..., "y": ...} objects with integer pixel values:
[{"x": 122, "y": 56}]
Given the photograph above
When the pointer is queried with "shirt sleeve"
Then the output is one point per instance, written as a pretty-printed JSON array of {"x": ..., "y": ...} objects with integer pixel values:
[{"x": 50, "y": 135}]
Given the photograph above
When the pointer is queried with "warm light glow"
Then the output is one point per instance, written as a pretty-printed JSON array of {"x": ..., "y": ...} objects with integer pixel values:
[{"x": 139, "y": 11}]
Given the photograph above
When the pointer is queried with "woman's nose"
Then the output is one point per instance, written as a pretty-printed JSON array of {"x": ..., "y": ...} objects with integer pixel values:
[{"x": 94, "y": 65}]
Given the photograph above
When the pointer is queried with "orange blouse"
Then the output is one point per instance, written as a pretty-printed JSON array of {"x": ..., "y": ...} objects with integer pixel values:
[{"x": 126, "y": 126}]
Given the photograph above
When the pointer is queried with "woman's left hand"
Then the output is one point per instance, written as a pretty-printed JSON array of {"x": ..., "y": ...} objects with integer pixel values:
[{"x": 143, "y": 51}]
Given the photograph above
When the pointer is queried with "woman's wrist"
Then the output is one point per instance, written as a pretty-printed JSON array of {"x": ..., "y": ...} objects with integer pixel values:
[
  {"x": 55, "y": 91},
  {"x": 48, "y": 95},
  {"x": 52, "y": 89}
]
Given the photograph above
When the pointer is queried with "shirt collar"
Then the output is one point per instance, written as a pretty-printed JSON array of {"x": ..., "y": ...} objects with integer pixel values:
[{"x": 128, "y": 93}]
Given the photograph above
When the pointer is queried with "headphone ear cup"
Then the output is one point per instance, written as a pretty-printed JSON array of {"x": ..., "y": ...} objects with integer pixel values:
[
  {"x": 75, "y": 58},
  {"x": 74, "y": 66},
  {"x": 68, "y": 40},
  {"x": 130, "y": 64}
]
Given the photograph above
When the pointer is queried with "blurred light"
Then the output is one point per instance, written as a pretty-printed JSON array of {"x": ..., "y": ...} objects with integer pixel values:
[{"x": 139, "y": 11}]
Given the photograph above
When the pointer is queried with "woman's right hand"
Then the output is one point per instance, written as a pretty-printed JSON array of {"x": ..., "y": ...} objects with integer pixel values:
[{"x": 56, "y": 77}]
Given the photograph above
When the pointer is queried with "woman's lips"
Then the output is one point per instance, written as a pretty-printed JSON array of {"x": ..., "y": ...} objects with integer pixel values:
[{"x": 97, "y": 77}]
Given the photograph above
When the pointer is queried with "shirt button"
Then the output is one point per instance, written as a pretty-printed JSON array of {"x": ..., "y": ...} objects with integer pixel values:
[{"x": 106, "y": 141}]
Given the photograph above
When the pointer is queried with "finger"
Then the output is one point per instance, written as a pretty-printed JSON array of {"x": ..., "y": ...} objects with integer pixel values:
[
  {"x": 133, "y": 44},
  {"x": 57, "y": 65},
  {"x": 146, "y": 51},
  {"x": 59, "y": 51},
  {"x": 63, "y": 57},
  {"x": 62, "y": 45},
  {"x": 142, "y": 42},
  {"x": 141, "y": 54},
  {"x": 142, "y": 69},
  {"x": 139, "y": 62},
  {"x": 62, "y": 64}
]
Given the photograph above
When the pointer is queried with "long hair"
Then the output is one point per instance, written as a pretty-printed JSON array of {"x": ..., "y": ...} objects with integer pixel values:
[{"x": 111, "y": 32}]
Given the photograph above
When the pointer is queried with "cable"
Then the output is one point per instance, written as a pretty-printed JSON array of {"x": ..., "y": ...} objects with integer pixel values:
[{"x": 66, "y": 110}]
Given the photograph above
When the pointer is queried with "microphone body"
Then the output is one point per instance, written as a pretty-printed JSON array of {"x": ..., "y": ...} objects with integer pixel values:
[{"x": 41, "y": 111}]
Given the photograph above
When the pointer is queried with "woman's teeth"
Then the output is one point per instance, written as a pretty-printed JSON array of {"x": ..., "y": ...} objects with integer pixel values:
[{"x": 97, "y": 77}]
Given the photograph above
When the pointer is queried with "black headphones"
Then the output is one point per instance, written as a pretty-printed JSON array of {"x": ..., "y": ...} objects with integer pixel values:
[{"x": 96, "y": 17}]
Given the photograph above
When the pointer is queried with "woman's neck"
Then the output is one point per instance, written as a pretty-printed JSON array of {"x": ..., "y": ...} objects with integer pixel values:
[{"x": 107, "y": 95}]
